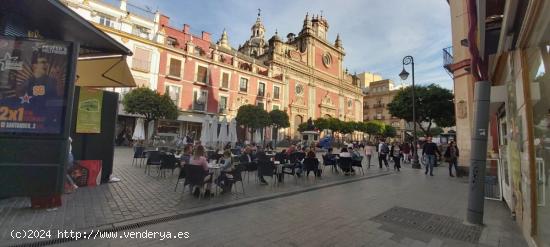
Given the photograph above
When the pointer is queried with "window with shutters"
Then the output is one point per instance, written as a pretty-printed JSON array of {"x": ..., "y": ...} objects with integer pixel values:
[
  {"x": 174, "y": 93},
  {"x": 224, "y": 80},
  {"x": 243, "y": 85},
  {"x": 223, "y": 104},
  {"x": 173, "y": 42},
  {"x": 200, "y": 98},
  {"x": 175, "y": 68},
  {"x": 261, "y": 89},
  {"x": 201, "y": 74},
  {"x": 276, "y": 92},
  {"x": 106, "y": 20},
  {"x": 141, "y": 60}
]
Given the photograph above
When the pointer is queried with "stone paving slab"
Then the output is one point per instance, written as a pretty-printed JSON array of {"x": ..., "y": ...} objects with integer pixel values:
[
  {"x": 337, "y": 216},
  {"x": 136, "y": 197}
]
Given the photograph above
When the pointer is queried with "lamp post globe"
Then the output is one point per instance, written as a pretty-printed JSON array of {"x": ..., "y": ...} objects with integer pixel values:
[{"x": 404, "y": 75}]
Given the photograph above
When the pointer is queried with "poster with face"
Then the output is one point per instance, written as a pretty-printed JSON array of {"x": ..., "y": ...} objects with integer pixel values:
[{"x": 33, "y": 82}]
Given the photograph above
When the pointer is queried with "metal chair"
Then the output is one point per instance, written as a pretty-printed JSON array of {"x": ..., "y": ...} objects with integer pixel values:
[
  {"x": 153, "y": 159},
  {"x": 169, "y": 161},
  {"x": 237, "y": 176},
  {"x": 327, "y": 162},
  {"x": 358, "y": 163},
  {"x": 311, "y": 164},
  {"x": 345, "y": 164},
  {"x": 139, "y": 155},
  {"x": 194, "y": 176}
]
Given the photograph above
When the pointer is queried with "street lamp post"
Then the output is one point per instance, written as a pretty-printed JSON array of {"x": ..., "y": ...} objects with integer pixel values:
[{"x": 404, "y": 74}]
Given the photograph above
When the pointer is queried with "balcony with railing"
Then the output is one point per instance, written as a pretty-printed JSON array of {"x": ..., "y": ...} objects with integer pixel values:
[
  {"x": 378, "y": 105},
  {"x": 448, "y": 60}
]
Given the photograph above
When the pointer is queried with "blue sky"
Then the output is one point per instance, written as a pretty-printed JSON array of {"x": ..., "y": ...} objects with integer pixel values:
[{"x": 376, "y": 34}]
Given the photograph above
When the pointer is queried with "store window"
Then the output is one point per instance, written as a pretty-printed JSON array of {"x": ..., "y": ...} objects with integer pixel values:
[{"x": 538, "y": 59}]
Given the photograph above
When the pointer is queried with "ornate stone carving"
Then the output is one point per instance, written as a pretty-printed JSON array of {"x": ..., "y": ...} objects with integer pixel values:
[{"x": 461, "y": 109}]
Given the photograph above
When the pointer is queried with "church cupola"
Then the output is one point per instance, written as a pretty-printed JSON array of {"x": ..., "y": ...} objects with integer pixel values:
[
  {"x": 258, "y": 28},
  {"x": 224, "y": 41},
  {"x": 338, "y": 42}
]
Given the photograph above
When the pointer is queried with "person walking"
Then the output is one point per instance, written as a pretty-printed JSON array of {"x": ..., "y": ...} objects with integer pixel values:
[
  {"x": 430, "y": 149},
  {"x": 406, "y": 150},
  {"x": 383, "y": 151},
  {"x": 451, "y": 155},
  {"x": 369, "y": 150},
  {"x": 396, "y": 155}
]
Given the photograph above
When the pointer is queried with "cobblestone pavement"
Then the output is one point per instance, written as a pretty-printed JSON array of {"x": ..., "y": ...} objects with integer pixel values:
[
  {"x": 342, "y": 215},
  {"x": 136, "y": 197}
]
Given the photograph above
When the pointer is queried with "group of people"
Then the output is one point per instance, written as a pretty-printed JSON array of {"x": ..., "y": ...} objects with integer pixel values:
[{"x": 296, "y": 160}]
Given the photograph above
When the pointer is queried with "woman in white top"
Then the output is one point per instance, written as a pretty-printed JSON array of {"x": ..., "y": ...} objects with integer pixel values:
[{"x": 369, "y": 151}]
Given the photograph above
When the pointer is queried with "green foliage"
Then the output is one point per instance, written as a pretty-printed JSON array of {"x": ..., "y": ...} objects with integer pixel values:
[
  {"x": 347, "y": 127},
  {"x": 388, "y": 131},
  {"x": 150, "y": 104},
  {"x": 279, "y": 119},
  {"x": 253, "y": 117},
  {"x": 374, "y": 127},
  {"x": 435, "y": 131},
  {"x": 433, "y": 105},
  {"x": 302, "y": 127},
  {"x": 321, "y": 123}
]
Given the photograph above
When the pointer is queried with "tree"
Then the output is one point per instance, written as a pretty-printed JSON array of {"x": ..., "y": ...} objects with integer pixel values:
[
  {"x": 321, "y": 123},
  {"x": 253, "y": 118},
  {"x": 150, "y": 104},
  {"x": 373, "y": 128},
  {"x": 302, "y": 127},
  {"x": 279, "y": 119},
  {"x": 433, "y": 104},
  {"x": 388, "y": 131}
]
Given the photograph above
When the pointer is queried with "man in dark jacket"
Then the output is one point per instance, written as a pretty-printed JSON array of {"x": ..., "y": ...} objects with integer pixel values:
[
  {"x": 430, "y": 149},
  {"x": 451, "y": 155}
]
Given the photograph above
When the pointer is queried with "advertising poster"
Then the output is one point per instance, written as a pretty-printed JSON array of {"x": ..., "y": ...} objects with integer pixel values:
[
  {"x": 88, "y": 119},
  {"x": 32, "y": 85}
]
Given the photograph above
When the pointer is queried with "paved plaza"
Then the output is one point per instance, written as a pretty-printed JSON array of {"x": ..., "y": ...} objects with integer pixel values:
[{"x": 335, "y": 211}]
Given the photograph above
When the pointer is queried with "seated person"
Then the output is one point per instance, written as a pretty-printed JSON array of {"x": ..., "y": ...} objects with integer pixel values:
[
  {"x": 247, "y": 157},
  {"x": 199, "y": 159},
  {"x": 225, "y": 175},
  {"x": 344, "y": 154},
  {"x": 330, "y": 158},
  {"x": 356, "y": 155},
  {"x": 263, "y": 160},
  {"x": 186, "y": 156},
  {"x": 281, "y": 157},
  {"x": 311, "y": 163}
]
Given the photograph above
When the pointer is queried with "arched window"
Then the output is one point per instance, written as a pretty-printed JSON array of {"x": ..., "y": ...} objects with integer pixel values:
[{"x": 298, "y": 120}]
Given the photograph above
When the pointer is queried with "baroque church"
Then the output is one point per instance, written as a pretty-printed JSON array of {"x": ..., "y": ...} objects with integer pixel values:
[{"x": 312, "y": 68}]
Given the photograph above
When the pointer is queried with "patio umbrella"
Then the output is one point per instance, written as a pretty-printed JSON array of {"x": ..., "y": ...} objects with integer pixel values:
[
  {"x": 214, "y": 132},
  {"x": 139, "y": 131},
  {"x": 223, "y": 136},
  {"x": 233, "y": 131},
  {"x": 257, "y": 136},
  {"x": 205, "y": 129}
]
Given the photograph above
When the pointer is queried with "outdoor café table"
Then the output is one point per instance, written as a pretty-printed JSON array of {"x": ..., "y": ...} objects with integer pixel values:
[{"x": 214, "y": 170}]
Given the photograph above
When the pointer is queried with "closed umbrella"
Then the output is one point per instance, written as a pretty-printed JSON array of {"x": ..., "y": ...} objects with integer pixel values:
[
  {"x": 214, "y": 132},
  {"x": 233, "y": 131},
  {"x": 139, "y": 131},
  {"x": 223, "y": 136},
  {"x": 257, "y": 136},
  {"x": 205, "y": 129}
]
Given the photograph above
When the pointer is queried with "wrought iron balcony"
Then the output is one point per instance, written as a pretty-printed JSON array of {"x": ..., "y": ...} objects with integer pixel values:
[{"x": 448, "y": 60}]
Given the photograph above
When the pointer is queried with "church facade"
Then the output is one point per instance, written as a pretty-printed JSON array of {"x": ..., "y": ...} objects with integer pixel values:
[{"x": 312, "y": 69}]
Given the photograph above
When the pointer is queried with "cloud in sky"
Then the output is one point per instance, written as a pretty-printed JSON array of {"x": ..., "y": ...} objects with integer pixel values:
[{"x": 376, "y": 34}]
